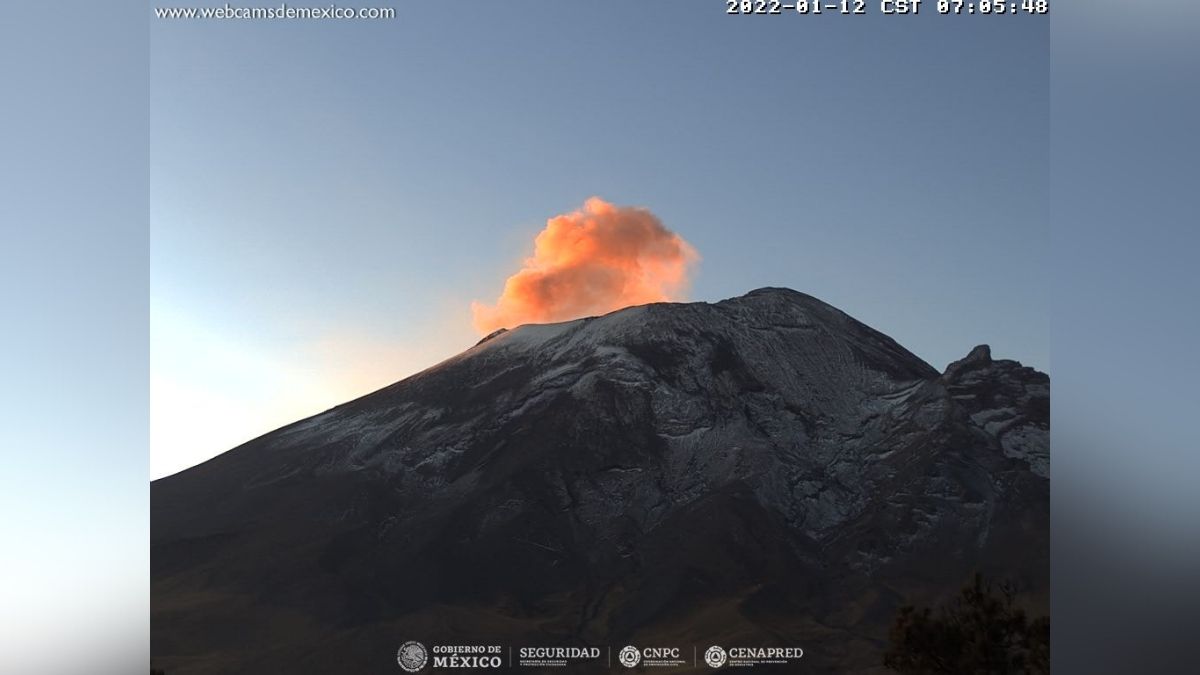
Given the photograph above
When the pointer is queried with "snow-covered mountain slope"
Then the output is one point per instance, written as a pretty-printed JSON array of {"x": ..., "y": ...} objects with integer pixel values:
[{"x": 764, "y": 467}]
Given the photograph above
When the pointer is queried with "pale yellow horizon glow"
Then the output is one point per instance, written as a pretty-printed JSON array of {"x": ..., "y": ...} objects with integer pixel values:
[{"x": 211, "y": 391}]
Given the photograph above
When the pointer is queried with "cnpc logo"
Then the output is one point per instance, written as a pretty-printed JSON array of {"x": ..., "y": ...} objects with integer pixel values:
[{"x": 631, "y": 656}]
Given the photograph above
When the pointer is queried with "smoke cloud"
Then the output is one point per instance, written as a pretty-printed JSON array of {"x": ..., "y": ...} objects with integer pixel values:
[{"x": 595, "y": 260}]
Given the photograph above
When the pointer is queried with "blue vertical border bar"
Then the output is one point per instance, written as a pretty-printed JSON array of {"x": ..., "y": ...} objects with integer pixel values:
[
  {"x": 1125, "y": 536},
  {"x": 74, "y": 271}
]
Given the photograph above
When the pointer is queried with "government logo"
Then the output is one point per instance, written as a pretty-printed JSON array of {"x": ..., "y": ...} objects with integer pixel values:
[
  {"x": 629, "y": 656},
  {"x": 412, "y": 656}
]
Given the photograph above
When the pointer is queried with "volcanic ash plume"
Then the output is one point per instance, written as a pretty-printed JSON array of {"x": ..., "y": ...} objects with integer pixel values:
[{"x": 592, "y": 261}]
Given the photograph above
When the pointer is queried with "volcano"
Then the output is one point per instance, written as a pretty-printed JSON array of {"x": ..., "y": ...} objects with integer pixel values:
[{"x": 764, "y": 470}]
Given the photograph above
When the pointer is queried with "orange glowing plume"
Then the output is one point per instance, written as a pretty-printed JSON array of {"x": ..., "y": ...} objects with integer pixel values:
[{"x": 592, "y": 261}]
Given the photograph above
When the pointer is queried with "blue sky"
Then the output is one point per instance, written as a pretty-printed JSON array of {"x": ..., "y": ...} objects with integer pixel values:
[{"x": 328, "y": 197}]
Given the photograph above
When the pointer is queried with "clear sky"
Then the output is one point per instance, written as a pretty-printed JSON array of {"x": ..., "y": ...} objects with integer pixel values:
[{"x": 328, "y": 197}]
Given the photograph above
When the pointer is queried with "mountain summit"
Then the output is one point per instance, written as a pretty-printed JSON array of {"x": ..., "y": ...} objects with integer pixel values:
[{"x": 761, "y": 470}]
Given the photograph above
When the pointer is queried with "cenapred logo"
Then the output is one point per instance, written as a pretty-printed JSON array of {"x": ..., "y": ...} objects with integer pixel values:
[
  {"x": 412, "y": 656},
  {"x": 734, "y": 657},
  {"x": 629, "y": 656}
]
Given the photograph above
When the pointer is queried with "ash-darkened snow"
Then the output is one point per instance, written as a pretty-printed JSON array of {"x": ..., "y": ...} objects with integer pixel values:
[{"x": 762, "y": 470}]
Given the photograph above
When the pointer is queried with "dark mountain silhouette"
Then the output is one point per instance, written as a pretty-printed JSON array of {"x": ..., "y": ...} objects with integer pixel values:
[{"x": 761, "y": 471}]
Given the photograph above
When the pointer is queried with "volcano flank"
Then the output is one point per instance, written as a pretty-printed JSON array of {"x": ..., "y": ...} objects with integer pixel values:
[{"x": 761, "y": 471}]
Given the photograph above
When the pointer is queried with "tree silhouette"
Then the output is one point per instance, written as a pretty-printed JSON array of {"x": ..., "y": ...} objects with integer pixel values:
[{"x": 982, "y": 632}]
